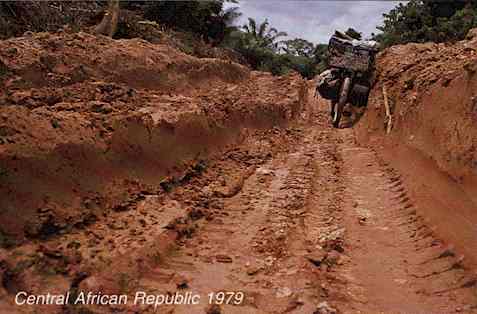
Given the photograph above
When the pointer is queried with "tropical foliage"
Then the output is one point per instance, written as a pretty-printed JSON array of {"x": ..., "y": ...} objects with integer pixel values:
[
  {"x": 299, "y": 47},
  {"x": 426, "y": 20},
  {"x": 263, "y": 48},
  {"x": 263, "y": 35},
  {"x": 206, "y": 18}
]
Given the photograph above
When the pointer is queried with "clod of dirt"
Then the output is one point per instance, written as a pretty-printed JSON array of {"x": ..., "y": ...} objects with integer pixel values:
[
  {"x": 50, "y": 252},
  {"x": 317, "y": 257},
  {"x": 253, "y": 269},
  {"x": 325, "y": 308},
  {"x": 362, "y": 220},
  {"x": 332, "y": 258},
  {"x": 283, "y": 292},
  {"x": 449, "y": 252},
  {"x": 103, "y": 284},
  {"x": 213, "y": 309},
  {"x": 181, "y": 282},
  {"x": 294, "y": 304},
  {"x": 43, "y": 228},
  {"x": 12, "y": 279},
  {"x": 221, "y": 258}
]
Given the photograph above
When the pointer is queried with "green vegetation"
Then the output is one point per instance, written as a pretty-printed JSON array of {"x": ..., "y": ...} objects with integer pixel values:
[
  {"x": 258, "y": 45},
  {"x": 423, "y": 21},
  {"x": 17, "y": 17},
  {"x": 261, "y": 46},
  {"x": 205, "y": 18},
  {"x": 55, "y": 123}
]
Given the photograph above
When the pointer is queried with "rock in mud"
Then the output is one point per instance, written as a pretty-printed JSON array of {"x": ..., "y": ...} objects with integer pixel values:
[{"x": 471, "y": 34}]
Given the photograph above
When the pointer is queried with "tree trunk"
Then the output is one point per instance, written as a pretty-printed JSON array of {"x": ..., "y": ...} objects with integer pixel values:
[{"x": 109, "y": 23}]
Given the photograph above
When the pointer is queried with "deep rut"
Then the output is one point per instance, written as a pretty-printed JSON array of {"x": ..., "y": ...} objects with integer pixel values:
[
  {"x": 397, "y": 263},
  {"x": 323, "y": 226}
]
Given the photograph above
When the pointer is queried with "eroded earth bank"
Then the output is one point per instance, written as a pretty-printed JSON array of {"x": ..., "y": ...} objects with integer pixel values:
[{"x": 129, "y": 167}]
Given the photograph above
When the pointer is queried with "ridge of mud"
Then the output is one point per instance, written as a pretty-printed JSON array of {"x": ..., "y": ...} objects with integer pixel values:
[
  {"x": 70, "y": 146},
  {"x": 55, "y": 60},
  {"x": 431, "y": 92}
]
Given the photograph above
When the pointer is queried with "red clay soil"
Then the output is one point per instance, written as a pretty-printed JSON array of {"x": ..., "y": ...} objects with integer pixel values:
[
  {"x": 85, "y": 118},
  {"x": 128, "y": 167},
  {"x": 431, "y": 91}
]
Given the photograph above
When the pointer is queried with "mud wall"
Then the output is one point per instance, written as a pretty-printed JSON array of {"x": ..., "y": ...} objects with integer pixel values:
[
  {"x": 432, "y": 91},
  {"x": 74, "y": 147}
]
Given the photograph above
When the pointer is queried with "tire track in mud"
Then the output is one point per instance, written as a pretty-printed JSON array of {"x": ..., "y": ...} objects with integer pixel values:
[
  {"x": 269, "y": 240},
  {"x": 397, "y": 263},
  {"x": 324, "y": 226},
  {"x": 319, "y": 226}
]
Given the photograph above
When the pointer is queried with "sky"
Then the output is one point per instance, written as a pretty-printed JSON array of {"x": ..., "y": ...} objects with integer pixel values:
[{"x": 316, "y": 20}]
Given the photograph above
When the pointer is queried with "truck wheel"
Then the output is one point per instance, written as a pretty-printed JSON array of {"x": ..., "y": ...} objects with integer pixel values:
[
  {"x": 332, "y": 108},
  {"x": 338, "y": 109}
]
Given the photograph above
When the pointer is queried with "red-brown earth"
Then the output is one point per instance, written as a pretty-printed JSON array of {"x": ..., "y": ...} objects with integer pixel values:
[{"x": 127, "y": 166}]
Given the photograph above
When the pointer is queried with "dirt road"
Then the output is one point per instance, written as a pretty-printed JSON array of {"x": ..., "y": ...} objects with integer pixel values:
[
  {"x": 227, "y": 194},
  {"x": 321, "y": 226},
  {"x": 293, "y": 220},
  {"x": 147, "y": 170}
]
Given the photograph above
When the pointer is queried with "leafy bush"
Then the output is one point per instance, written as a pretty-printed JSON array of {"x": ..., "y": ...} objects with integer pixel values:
[
  {"x": 422, "y": 21},
  {"x": 206, "y": 18},
  {"x": 17, "y": 17}
]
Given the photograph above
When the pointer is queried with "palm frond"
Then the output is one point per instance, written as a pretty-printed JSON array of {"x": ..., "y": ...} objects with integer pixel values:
[
  {"x": 263, "y": 28},
  {"x": 253, "y": 26}
]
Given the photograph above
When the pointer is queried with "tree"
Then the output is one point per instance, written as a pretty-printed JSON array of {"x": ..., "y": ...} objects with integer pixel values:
[
  {"x": 259, "y": 45},
  {"x": 205, "y": 18},
  {"x": 427, "y": 20},
  {"x": 224, "y": 24},
  {"x": 109, "y": 23},
  {"x": 321, "y": 57},
  {"x": 299, "y": 47},
  {"x": 264, "y": 35}
]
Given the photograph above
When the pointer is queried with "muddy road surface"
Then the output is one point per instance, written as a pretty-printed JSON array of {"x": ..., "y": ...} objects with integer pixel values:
[
  {"x": 293, "y": 219},
  {"x": 135, "y": 178},
  {"x": 322, "y": 225}
]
